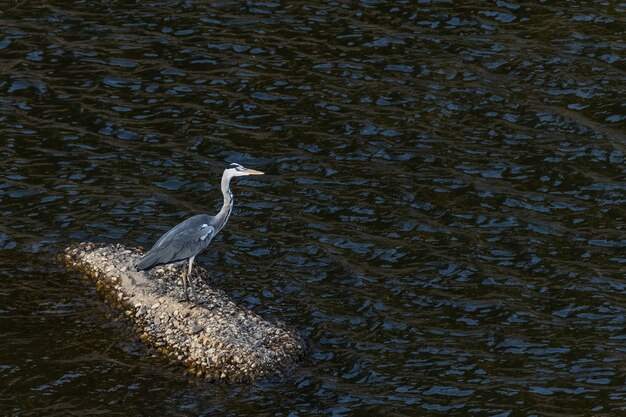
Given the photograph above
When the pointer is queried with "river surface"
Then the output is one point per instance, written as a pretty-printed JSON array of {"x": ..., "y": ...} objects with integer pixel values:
[{"x": 442, "y": 216}]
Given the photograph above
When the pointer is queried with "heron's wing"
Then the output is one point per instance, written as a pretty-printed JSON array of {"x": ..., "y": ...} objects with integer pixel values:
[{"x": 185, "y": 240}]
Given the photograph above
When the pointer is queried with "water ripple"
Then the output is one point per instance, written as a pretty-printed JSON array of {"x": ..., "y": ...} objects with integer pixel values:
[{"x": 441, "y": 215}]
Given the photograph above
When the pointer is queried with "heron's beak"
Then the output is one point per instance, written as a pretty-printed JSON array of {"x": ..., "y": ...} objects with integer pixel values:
[{"x": 253, "y": 172}]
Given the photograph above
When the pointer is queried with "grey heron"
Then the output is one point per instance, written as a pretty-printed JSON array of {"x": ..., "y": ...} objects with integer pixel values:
[{"x": 190, "y": 237}]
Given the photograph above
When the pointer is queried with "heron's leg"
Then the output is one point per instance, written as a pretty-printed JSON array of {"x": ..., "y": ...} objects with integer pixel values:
[
  {"x": 184, "y": 278},
  {"x": 190, "y": 279}
]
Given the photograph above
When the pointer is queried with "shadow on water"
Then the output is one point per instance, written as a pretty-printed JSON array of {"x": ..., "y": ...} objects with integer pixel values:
[{"x": 442, "y": 215}]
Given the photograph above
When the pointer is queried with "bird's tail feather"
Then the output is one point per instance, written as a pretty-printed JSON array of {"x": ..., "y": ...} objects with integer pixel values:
[{"x": 148, "y": 261}]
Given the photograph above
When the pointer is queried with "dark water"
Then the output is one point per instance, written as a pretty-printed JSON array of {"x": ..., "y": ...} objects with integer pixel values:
[{"x": 443, "y": 216}]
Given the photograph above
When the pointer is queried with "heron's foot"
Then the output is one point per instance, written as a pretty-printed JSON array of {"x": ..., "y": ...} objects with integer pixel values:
[
  {"x": 186, "y": 299},
  {"x": 195, "y": 300}
]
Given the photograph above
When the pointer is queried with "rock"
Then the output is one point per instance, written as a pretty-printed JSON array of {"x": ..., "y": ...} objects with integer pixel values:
[{"x": 216, "y": 340}]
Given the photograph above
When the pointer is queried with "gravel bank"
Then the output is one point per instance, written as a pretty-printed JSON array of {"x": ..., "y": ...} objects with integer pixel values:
[{"x": 218, "y": 340}]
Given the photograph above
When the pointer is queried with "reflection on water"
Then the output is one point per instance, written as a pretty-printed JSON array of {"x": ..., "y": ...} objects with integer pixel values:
[{"x": 442, "y": 215}]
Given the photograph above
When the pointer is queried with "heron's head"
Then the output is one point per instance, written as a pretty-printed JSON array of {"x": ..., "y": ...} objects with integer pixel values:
[{"x": 236, "y": 170}]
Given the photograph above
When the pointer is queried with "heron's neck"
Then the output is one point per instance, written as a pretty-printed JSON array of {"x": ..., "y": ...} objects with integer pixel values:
[{"x": 222, "y": 217}]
